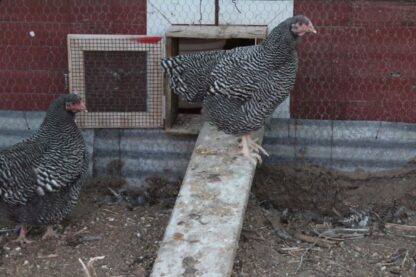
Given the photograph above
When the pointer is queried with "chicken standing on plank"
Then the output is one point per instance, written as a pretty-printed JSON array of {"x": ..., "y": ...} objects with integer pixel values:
[
  {"x": 41, "y": 177},
  {"x": 241, "y": 87}
]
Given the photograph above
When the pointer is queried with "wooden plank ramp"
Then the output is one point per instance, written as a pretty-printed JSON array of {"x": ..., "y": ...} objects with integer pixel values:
[{"x": 202, "y": 236}]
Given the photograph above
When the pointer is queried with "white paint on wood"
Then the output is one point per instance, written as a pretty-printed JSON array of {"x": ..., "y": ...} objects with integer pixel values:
[
  {"x": 161, "y": 14},
  {"x": 255, "y": 12},
  {"x": 203, "y": 233}
]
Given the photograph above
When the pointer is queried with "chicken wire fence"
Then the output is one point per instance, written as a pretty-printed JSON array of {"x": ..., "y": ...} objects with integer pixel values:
[
  {"x": 162, "y": 14},
  {"x": 360, "y": 65}
]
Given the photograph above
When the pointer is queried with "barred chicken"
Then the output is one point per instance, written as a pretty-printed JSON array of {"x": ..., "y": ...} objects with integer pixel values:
[
  {"x": 41, "y": 177},
  {"x": 241, "y": 87}
]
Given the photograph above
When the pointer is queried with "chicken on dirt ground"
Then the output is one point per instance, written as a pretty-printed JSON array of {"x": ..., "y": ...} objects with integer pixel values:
[
  {"x": 241, "y": 87},
  {"x": 41, "y": 177}
]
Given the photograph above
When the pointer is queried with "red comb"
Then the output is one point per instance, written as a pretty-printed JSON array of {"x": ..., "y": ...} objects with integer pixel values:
[{"x": 148, "y": 39}]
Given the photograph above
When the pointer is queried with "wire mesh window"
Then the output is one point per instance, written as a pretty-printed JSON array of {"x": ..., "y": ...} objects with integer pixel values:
[
  {"x": 115, "y": 81},
  {"x": 120, "y": 79}
]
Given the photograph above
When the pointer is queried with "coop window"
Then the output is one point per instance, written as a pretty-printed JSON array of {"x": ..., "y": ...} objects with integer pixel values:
[
  {"x": 115, "y": 81},
  {"x": 120, "y": 79}
]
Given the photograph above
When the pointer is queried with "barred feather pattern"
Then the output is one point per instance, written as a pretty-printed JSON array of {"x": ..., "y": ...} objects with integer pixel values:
[
  {"x": 187, "y": 77},
  {"x": 41, "y": 177},
  {"x": 241, "y": 87}
]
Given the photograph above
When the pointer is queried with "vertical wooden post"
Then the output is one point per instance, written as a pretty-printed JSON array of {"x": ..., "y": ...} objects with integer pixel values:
[{"x": 171, "y": 103}]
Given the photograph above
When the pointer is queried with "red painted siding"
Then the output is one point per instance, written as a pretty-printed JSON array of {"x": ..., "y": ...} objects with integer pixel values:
[
  {"x": 32, "y": 69},
  {"x": 362, "y": 63}
]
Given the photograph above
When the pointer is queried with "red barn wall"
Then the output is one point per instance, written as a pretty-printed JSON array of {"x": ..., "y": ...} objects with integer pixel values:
[
  {"x": 362, "y": 63},
  {"x": 32, "y": 69}
]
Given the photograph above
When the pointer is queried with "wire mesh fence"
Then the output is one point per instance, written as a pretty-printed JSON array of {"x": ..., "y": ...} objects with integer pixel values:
[
  {"x": 162, "y": 14},
  {"x": 33, "y": 43},
  {"x": 360, "y": 65}
]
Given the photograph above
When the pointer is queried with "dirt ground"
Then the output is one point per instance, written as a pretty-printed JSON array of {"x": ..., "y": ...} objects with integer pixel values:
[
  {"x": 123, "y": 233},
  {"x": 303, "y": 221}
]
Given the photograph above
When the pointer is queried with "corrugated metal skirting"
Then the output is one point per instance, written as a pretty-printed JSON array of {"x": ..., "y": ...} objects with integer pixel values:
[{"x": 345, "y": 145}]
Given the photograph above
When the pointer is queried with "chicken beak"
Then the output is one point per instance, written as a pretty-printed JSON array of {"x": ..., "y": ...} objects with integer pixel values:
[
  {"x": 312, "y": 29},
  {"x": 82, "y": 105},
  {"x": 76, "y": 107}
]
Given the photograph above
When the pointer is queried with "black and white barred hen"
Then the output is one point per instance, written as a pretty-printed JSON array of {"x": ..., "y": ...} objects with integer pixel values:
[
  {"x": 241, "y": 87},
  {"x": 41, "y": 177}
]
